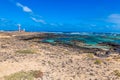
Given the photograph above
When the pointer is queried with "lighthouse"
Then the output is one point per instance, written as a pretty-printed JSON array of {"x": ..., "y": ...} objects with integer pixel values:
[{"x": 19, "y": 27}]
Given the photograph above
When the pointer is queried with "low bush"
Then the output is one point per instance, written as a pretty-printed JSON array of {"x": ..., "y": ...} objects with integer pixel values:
[
  {"x": 30, "y": 75},
  {"x": 26, "y": 51},
  {"x": 98, "y": 61},
  {"x": 117, "y": 73}
]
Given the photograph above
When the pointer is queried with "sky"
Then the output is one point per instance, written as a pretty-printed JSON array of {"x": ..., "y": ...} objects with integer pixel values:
[{"x": 61, "y": 15}]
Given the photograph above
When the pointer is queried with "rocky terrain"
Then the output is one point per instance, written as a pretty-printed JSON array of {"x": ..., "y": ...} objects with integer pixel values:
[{"x": 20, "y": 53}]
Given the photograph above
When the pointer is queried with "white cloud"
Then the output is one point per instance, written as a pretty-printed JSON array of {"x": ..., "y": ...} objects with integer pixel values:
[
  {"x": 34, "y": 17},
  {"x": 38, "y": 20},
  {"x": 114, "y": 18},
  {"x": 25, "y": 8},
  {"x": 53, "y": 24}
]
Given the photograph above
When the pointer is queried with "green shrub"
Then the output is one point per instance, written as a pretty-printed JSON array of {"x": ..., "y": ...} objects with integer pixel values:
[
  {"x": 30, "y": 75},
  {"x": 20, "y": 76},
  {"x": 37, "y": 74},
  {"x": 27, "y": 51},
  {"x": 98, "y": 61},
  {"x": 117, "y": 73},
  {"x": 66, "y": 52},
  {"x": 90, "y": 55}
]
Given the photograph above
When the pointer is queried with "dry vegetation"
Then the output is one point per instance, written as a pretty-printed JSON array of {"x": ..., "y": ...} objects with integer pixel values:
[{"x": 22, "y": 75}]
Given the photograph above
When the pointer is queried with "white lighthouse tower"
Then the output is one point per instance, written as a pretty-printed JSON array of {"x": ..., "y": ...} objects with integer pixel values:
[{"x": 19, "y": 27}]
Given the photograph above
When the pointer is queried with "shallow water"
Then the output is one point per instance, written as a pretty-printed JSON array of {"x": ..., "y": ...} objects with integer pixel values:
[{"x": 90, "y": 40}]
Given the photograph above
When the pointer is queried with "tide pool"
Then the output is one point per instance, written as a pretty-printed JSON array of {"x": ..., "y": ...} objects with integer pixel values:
[{"x": 90, "y": 41}]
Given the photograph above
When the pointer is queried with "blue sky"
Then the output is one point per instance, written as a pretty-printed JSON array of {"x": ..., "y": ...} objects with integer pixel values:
[{"x": 61, "y": 15}]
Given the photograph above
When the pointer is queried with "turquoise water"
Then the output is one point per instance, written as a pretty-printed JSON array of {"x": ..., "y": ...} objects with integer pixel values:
[
  {"x": 90, "y": 40},
  {"x": 49, "y": 40}
]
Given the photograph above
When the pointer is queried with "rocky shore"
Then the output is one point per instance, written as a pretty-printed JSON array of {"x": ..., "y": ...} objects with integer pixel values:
[{"x": 22, "y": 52}]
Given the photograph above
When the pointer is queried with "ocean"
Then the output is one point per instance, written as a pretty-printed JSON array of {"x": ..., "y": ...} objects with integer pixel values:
[{"x": 89, "y": 40}]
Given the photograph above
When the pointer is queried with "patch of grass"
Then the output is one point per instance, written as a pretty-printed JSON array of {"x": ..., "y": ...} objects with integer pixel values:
[
  {"x": 90, "y": 55},
  {"x": 116, "y": 73},
  {"x": 98, "y": 61},
  {"x": 37, "y": 74},
  {"x": 108, "y": 59},
  {"x": 66, "y": 52},
  {"x": 20, "y": 76},
  {"x": 49, "y": 62},
  {"x": 30, "y": 75},
  {"x": 26, "y": 51},
  {"x": 116, "y": 57}
]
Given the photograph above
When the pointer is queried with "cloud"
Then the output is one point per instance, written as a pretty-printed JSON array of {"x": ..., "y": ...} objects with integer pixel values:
[
  {"x": 34, "y": 17},
  {"x": 114, "y": 18},
  {"x": 25, "y": 8},
  {"x": 53, "y": 24},
  {"x": 38, "y": 20}
]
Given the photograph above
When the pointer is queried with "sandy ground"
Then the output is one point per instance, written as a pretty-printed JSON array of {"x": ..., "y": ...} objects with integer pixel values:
[{"x": 56, "y": 62}]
